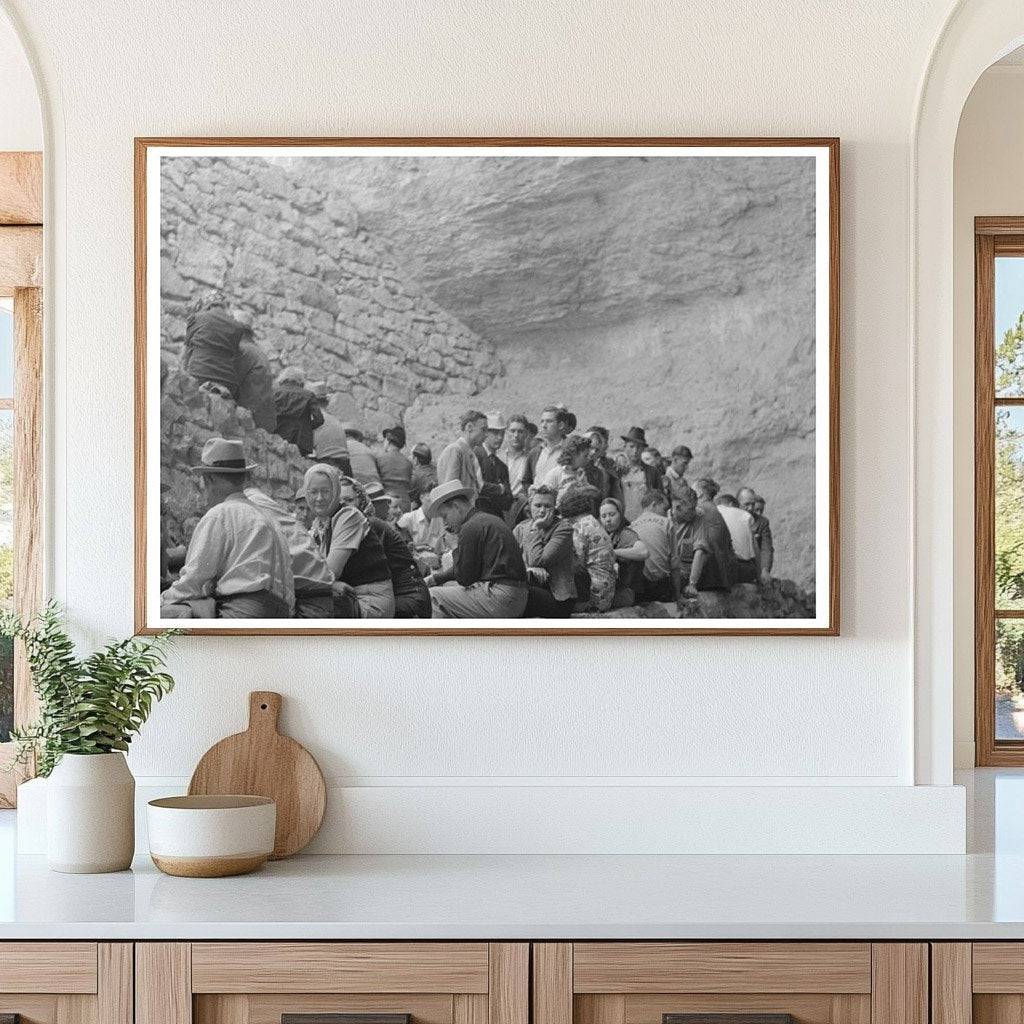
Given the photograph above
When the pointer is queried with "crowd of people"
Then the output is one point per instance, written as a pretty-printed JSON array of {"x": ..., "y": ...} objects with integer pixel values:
[{"x": 513, "y": 519}]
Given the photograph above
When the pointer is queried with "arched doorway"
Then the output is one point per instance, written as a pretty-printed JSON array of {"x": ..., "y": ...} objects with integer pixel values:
[{"x": 977, "y": 33}]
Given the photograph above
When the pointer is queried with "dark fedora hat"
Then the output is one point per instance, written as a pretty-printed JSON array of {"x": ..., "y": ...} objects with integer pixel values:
[{"x": 635, "y": 435}]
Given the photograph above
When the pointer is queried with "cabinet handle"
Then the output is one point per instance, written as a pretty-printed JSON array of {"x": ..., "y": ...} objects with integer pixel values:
[
  {"x": 337, "y": 1018},
  {"x": 728, "y": 1018}
]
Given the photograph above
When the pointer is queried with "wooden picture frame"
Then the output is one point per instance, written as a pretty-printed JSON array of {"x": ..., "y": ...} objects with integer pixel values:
[
  {"x": 825, "y": 621},
  {"x": 21, "y": 272}
]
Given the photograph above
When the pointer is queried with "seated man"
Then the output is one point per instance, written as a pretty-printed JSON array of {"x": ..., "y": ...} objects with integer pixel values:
[
  {"x": 744, "y": 543},
  {"x": 750, "y": 502},
  {"x": 662, "y": 573},
  {"x": 237, "y": 556},
  {"x": 313, "y": 579},
  {"x": 703, "y": 545},
  {"x": 487, "y": 579}
]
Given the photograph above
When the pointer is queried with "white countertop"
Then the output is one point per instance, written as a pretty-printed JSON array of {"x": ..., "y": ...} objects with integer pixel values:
[
  {"x": 978, "y": 896},
  {"x": 531, "y": 897}
]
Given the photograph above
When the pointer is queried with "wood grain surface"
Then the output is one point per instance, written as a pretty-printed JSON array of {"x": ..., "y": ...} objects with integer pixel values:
[
  {"x": 262, "y": 762},
  {"x": 951, "y": 984},
  {"x": 722, "y": 967},
  {"x": 552, "y": 983},
  {"x": 899, "y": 983},
  {"x": 48, "y": 967},
  {"x": 340, "y": 967},
  {"x": 21, "y": 188},
  {"x": 163, "y": 983},
  {"x": 21, "y": 258}
]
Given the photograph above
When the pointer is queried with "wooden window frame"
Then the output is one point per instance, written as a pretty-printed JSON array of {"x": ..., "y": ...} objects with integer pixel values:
[{"x": 21, "y": 277}]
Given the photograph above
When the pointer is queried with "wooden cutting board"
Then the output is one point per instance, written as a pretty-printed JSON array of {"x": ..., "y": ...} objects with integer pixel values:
[{"x": 262, "y": 762}]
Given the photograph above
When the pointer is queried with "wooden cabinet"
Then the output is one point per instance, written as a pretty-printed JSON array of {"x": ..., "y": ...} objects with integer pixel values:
[
  {"x": 66, "y": 982},
  {"x": 980, "y": 982},
  {"x": 260, "y": 982},
  {"x": 647, "y": 982}
]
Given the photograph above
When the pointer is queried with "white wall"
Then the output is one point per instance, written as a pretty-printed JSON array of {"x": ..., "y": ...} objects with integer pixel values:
[
  {"x": 444, "y": 714},
  {"x": 988, "y": 181},
  {"x": 21, "y": 125}
]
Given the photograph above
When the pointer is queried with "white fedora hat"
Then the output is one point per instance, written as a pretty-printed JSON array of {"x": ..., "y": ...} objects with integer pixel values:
[
  {"x": 223, "y": 455},
  {"x": 444, "y": 493},
  {"x": 495, "y": 421}
]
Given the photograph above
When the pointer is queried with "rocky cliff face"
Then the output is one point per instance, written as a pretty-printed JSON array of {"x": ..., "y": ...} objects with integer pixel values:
[
  {"x": 676, "y": 295},
  {"x": 188, "y": 418},
  {"x": 321, "y": 292}
]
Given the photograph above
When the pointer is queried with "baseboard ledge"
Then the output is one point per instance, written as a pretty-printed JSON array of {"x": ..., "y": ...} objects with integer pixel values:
[{"x": 552, "y": 819}]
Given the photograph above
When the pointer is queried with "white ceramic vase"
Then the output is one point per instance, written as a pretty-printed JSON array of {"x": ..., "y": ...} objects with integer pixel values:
[{"x": 90, "y": 814}]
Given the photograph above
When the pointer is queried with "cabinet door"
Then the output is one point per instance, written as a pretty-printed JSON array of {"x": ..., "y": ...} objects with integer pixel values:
[
  {"x": 981, "y": 982},
  {"x": 332, "y": 983},
  {"x": 66, "y": 982},
  {"x": 737, "y": 982}
]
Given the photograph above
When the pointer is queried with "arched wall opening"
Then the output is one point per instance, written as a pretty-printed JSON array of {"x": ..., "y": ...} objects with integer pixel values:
[
  {"x": 21, "y": 119},
  {"x": 976, "y": 34}
]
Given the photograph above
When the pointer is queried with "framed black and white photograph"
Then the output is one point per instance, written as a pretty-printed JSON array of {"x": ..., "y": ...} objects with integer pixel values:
[{"x": 442, "y": 386}]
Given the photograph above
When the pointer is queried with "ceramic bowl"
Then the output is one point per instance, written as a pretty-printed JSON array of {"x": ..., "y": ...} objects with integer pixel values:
[{"x": 211, "y": 836}]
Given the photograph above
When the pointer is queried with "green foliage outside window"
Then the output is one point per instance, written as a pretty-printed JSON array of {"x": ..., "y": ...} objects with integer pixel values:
[{"x": 1009, "y": 508}]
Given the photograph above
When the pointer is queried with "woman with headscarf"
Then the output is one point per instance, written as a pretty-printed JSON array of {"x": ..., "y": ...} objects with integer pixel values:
[
  {"x": 412, "y": 598},
  {"x": 630, "y": 553},
  {"x": 595, "y": 558},
  {"x": 547, "y": 547},
  {"x": 355, "y": 555}
]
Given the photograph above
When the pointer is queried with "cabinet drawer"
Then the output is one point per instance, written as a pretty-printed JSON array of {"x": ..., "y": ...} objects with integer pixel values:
[
  {"x": 749, "y": 982},
  {"x": 66, "y": 982},
  {"x": 634, "y": 967},
  {"x": 340, "y": 967},
  {"x": 48, "y": 967},
  {"x": 262, "y": 982}
]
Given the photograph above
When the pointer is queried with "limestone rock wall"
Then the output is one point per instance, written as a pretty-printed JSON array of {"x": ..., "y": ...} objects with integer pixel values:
[
  {"x": 321, "y": 293},
  {"x": 188, "y": 418}
]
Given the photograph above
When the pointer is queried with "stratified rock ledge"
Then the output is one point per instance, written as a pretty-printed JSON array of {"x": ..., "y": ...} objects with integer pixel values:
[{"x": 778, "y": 599}]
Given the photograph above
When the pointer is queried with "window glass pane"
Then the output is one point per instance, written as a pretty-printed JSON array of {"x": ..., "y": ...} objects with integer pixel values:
[
  {"x": 1009, "y": 539},
  {"x": 1009, "y": 326},
  {"x": 6, "y": 567},
  {"x": 1009, "y": 679},
  {"x": 6, "y": 348}
]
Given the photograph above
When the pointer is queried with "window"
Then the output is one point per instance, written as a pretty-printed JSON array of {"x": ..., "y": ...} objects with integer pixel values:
[
  {"x": 6, "y": 510},
  {"x": 999, "y": 490},
  {"x": 21, "y": 376}
]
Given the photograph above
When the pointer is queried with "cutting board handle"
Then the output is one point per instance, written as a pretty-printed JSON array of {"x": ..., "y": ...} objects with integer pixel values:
[{"x": 264, "y": 710}]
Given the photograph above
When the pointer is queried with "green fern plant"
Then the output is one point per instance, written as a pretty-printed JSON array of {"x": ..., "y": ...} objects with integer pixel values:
[{"x": 90, "y": 705}]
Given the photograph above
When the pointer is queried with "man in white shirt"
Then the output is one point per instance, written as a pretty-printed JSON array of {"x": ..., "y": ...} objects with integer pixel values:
[
  {"x": 744, "y": 543},
  {"x": 237, "y": 556},
  {"x": 517, "y": 452},
  {"x": 314, "y": 597},
  {"x": 552, "y": 431}
]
